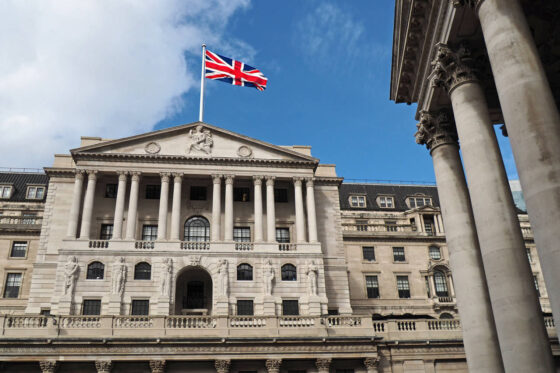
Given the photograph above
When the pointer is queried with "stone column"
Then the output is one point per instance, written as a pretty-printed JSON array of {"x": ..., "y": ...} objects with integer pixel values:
[
  {"x": 103, "y": 366},
  {"x": 438, "y": 133},
  {"x": 132, "y": 206},
  {"x": 228, "y": 214},
  {"x": 222, "y": 366},
  {"x": 311, "y": 214},
  {"x": 450, "y": 285},
  {"x": 371, "y": 364},
  {"x": 523, "y": 338},
  {"x": 533, "y": 125},
  {"x": 87, "y": 212},
  {"x": 323, "y": 365},
  {"x": 216, "y": 207},
  {"x": 48, "y": 366},
  {"x": 432, "y": 285},
  {"x": 257, "y": 181},
  {"x": 75, "y": 208},
  {"x": 273, "y": 365},
  {"x": 163, "y": 206},
  {"x": 119, "y": 206},
  {"x": 176, "y": 207},
  {"x": 270, "y": 210},
  {"x": 300, "y": 217},
  {"x": 157, "y": 366}
]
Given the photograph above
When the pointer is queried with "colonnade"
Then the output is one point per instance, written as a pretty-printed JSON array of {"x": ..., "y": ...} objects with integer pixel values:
[{"x": 305, "y": 224}]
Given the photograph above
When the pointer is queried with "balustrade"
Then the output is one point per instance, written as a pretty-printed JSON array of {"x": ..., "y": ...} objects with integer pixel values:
[
  {"x": 244, "y": 246},
  {"x": 444, "y": 324},
  {"x": 80, "y": 322},
  {"x": 133, "y": 322},
  {"x": 24, "y": 322},
  {"x": 20, "y": 220},
  {"x": 406, "y": 325},
  {"x": 195, "y": 245},
  {"x": 296, "y": 322},
  {"x": 287, "y": 247},
  {"x": 144, "y": 244},
  {"x": 190, "y": 322},
  {"x": 98, "y": 244},
  {"x": 346, "y": 321},
  {"x": 247, "y": 322}
]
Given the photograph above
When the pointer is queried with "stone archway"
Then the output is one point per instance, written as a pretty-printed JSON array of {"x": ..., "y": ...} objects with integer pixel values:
[{"x": 193, "y": 292}]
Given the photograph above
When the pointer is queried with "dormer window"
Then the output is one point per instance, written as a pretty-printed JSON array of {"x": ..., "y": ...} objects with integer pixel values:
[
  {"x": 358, "y": 201},
  {"x": 35, "y": 192},
  {"x": 6, "y": 191},
  {"x": 414, "y": 202},
  {"x": 385, "y": 202}
]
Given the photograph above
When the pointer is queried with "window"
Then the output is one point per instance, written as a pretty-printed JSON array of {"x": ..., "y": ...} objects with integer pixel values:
[
  {"x": 197, "y": 228},
  {"x": 106, "y": 232},
  {"x": 419, "y": 201},
  {"x": 386, "y": 202},
  {"x": 391, "y": 225},
  {"x": 368, "y": 253},
  {"x": 45, "y": 312},
  {"x": 198, "y": 193},
  {"x": 529, "y": 256},
  {"x": 29, "y": 218},
  {"x": 362, "y": 225},
  {"x": 140, "y": 307},
  {"x": 413, "y": 224},
  {"x": 91, "y": 307},
  {"x": 536, "y": 280},
  {"x": 372, "y": 287},
  {"x": 289, "y": 272},
  {"x": 245, "y": 307},
  {"x": 149, "y": 232},
  {"x": 398, "y": 254},
  {"x": 280, "y": 195},
  {"x": 358, "y": 201},
  {"x": 35, "y": 192},
  {"x": 282, "y": 235},
  {"x": 435, "y": 253},
  {"x": 333, "y": 311},
  {"x": 5, "y": 191},
  {"x": 142, "y": 271},
  {"x": 244, "y": 272},
  {"x": 441, "y": 284},
  {"x": 429, "y": 225},
  {"x": 403, "y": 287},
  {"x": 111, "y": 190},
  {"x": 290, "y": 307},
  {"x": 153, "y": 191},
  {"x": 242, "y": 234},
  {"x": 19, "y": 249},
  {"x": 95, "y": 271},
  {"x": 241, "y": 194},
  {"x": 13, "y": 284}
]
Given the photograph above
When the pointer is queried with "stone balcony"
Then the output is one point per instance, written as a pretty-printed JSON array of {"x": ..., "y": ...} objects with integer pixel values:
[
  {"x": 30, "y": 224},
  {"x": 366, "y": 230}
]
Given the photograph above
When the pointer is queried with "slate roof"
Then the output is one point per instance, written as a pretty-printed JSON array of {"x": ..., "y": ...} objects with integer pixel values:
[
  {"x": 371, "y": 191},
  {"x": 20, "y": 181}
]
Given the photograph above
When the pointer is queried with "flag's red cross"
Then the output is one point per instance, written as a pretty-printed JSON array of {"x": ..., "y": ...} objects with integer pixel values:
[{"x": 233, "y": 72}]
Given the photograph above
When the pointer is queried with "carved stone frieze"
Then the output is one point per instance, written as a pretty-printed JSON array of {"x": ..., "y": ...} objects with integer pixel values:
[
  {"x": 222, "y": 366},
  {"x": 371, "y": 364},
  {"x": 152, "y": 147},
  {"x": 323, "y": 365},
  {"x": 452, "y": 67},
  {"x": 103, "y": 366},
  {"x": 436, "y": 129},
  {"x": 48, "y": 366},
  {"x": 273, "y": 365},
  {"x": 157, "y": 366},
  {"x": 201, "y": 140}
]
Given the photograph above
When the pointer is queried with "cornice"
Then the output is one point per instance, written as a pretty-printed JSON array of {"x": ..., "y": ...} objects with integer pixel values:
[
  {"x": 60, "y": 172},
  {"x": 324, "y": 180}
]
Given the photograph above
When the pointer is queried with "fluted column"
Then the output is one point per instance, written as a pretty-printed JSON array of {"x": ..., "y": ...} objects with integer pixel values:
[
  {"x": 216, "y": 207},
  {"x": 75, "y": 207},
  {"x": 323, "y": 365},
  {"x": 103, "y": 366},
  {"x": 300, "y": 215},
  {"x": 371, "y": 364},
  {"x": 438, "y": 133},
  {"x": 228, "y": 213},
  {"x": 87, "y": 211},
  {"x": 270, "y": 210},
  {"x": 48, "y": 366},
  {"x": 119, "y": 206},
  {"x": 522, "y": 335},
  {"x": 176, "y": 207},
  {"x": 132, "y": 206},
  {"x": 311, "y": 214},
  {"x": 273, "y": 365},
  {"x": 157, "y": 366},
  {"x": 257, "y": 181},
  {"x": 222, "y": 366},
  {"x": 163, "y": 206}
]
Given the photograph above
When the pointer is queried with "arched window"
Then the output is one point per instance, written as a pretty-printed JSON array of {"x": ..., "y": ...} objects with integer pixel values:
[
  {"x": 245, "y": 272},
  {"x": 142, "y": 271},
  {"x": 441, "y": 284},
  {"x": 289, "y": 272},
  {"x": 446, "y": 315},
  {"x": 95, "y": 271},
  {"x": 197, "y": 229}
]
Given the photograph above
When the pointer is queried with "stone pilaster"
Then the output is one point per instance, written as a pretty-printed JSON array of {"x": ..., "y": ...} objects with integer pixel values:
[
  {"x": 300, "y": 215},
  {"x": 258, "y": 209},
  {"x": 371, "y": 364},
  {"x": 270, "y": 210},
  {"x": 87, "y": 211},
  {"x": 132, "y": 206},
  {"x": 216, "y": 207},
  {"x": 323, "y": 365},
  {"x": 222, "y": 366},
  {"x": 163, "y": 206},
  {"x": 48, "y": 366},
  {"x": 311, "y": 214},
  {"x": 273, "y": 365},
  {"x": 157, "y": 366},
  {"x": 119, "y": 206},
  {"x": 103, "y": 366},
  {"x": 228, "y": 213},
  {"x": 75, "y": 208},
  {"x": 176, "y": 207}
]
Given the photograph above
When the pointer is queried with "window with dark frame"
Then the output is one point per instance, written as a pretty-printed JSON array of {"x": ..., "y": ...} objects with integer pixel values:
[
  {"x": 153, "y": 191},
  {"x": 289, "y": 272},
  {"x": 198, "y": 193},
  {"x": 95, "y": 271},
  {"x": 245, "y": 307},
  {"x": 403, "y": 287},
  {"x": 149, "y": 232},
  {"x": 283, "y": 235},
  {"x": 140, "y": 307},
  {"x": 242, "y": 234},
  {"x": 91, "y": 307},
  {"x": 419, "y": 201},
  {"x": 111, "y": 190},
  {"x": 333, "y": 311},
  {"x": 244, "y": 272},
  {"x": 106, "y": 232},
  {"x": 142, "y": 271},
  {"x": 13, "y": 284},
  {"x": 398, "y": 254},
  {"x": 19, "y": 249},
  {"x": 372, "y": 286},
  {"x": 280, "y": 195},
  {"x": 368, "y": 253},
  {"x": 536, "y": 280},
  {"x": 241, "y": 194},
  {"x": 441, "y": 284},
  {"x": 197, "y": 229},
  {"x": 435, "y": 253},
  {"x": 290, "y": 307}
]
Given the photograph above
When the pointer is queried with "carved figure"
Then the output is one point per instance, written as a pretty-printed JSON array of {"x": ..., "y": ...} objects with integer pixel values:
[
  {"x": 119, "y": 276},
  {"x": 166, "y": 277},
  {"x": 201, "y": 140},
  {"x": 223, "y": 277},
  {"x": 268, "y": 277},
  {"x": 194, "y": 260},
  {"x": 71, "y": 269},
  {"x": 312, "y": 274}
]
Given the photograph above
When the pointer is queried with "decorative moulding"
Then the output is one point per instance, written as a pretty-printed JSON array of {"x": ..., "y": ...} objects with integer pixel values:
[
  {"x": 244, "y": 151},
  {"x": 152, "y": 148}
]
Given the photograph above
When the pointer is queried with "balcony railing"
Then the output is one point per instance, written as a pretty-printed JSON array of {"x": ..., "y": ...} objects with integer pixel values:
[{"x": 21, "y": 222}]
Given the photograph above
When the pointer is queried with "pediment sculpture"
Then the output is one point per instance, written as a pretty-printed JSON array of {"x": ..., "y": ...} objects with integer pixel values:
[{"x": 201, "y": 140}]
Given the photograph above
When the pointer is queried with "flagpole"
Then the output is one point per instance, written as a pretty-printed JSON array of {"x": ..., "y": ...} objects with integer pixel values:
[{"x": 201, "y": 112}]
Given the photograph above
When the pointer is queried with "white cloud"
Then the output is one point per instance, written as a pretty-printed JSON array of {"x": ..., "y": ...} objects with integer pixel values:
[{"x": 100, "y": 68}]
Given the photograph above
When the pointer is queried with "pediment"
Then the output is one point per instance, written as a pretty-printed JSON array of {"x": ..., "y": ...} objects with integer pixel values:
[{"x": 194, "y": 140}]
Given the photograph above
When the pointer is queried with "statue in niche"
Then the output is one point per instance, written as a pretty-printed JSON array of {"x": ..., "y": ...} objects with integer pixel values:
[
  {"x": 119, "y": 276},
  {"x": 312, "y": 274},
  {"x": 268, "y": 277},
  {"x": 223, "y": 277},
  {"x": 71, "y": 269},
  {"x": 166, "y": 277},
  {"x": 201, "y": 140}
]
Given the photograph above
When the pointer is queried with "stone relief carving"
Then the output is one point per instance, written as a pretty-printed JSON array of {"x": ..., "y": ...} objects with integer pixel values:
[
  {"x": 48, "y": 366},
  {"x": 222, "y": 366},
  {"x": 312, "y": 274},
  {"x": 268, "y": 277},
  {"x": 194, "y": 260},
  {"x": 167, "y": 277},
  {"x": 452, "y": 67},
  {"x": 103, "y": 366},
  {"x": 201, "y": 140},
  {"x": 157, "y": 366},
  {"x": 223, "y": 282},
  {"x": 323, "y": 365},
  {"x": 244, "y": 151},
  {"x": 436, "y": 129},
  {"x": 152, "y": 148},
  {"x": 119, "y": 276},
  {"x": 71, "y": 269},
  {"x": 273, "y": 365}
]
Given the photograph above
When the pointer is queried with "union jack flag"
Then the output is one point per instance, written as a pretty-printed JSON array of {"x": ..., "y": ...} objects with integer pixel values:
[{"x": 233, "y": 72}]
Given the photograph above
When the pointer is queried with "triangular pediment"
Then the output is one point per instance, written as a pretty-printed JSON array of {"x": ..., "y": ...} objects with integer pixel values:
[{"x": 194, "y": 140}]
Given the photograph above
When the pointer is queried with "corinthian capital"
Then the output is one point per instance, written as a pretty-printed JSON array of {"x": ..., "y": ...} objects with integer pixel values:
[
  {"x": 273, "y": 365},
  {"x": 436, "y": 129},
  {"x": 222, "y": 366},
  {"x": 452, "y": 67},
  {"x": 48, "y": 366}
]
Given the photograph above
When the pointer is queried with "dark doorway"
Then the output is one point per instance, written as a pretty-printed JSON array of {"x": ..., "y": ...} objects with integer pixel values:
[{"x": 194, "y": 292}]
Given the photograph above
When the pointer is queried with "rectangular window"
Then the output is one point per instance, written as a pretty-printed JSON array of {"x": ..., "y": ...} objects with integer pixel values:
[
  {"x": 45, "y": 311},
  {"x": 398, "y": 254},
  {"x": 333, "y": 311},
  {"x": 106, "y": 232},
  {"x": 140, "y": 307},
  {"x": 419, "y": 201},
  {"x": 198, "y": 193},
  {"x": 5, "y": 191},
  {"x": 435, "y": 253},
  {"x": 111, "y": 190},
  {"x": 241, "y": 194},
  {"x": 19, "y": 249},
  {"x": 368, "y": 253},
  {"x": 403, "y": 287},
  {"x": 391, "y": 225},
  {"x": 290, "y": 307},
  {"x": 91, "y": 307},
  {"x": 536, "y": 280},
  {"x": 149, "y": 232},
  {"x": 429, "y": 225},
  {"x": 242, "y": 234},
  {"x": 529, "y": 256},
  {"x": 245, "y": 307},
  {"x": 386, "y": 202},
  {"x": 372, "y": 287},
  {"x": 282, "y": 235},
  {"x": 13, "y": 284},
  {"x": 35, "y": 192},
  {"x": 358, "y": 201},
  {"x": 153, "y": 191},
  {"x": 280, "y": 195}
]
